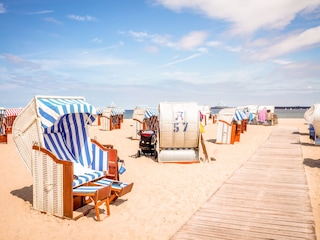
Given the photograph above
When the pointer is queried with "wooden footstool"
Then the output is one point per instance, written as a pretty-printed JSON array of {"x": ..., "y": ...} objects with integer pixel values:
[{"x": 98, "y": 194}]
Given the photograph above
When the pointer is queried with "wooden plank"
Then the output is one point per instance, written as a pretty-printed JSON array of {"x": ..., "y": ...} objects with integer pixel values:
[
  {"x": 253, "y": 226},
  {"x": 219, "y": 231},
  {"x": 267, "y": 198},
  {"x": 242, "y": 213}
]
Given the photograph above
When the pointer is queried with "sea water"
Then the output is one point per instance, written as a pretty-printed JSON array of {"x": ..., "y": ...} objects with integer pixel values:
[
  {"x": 128, "y": 114},
  {"x": 290, "y": 113},
  {"x": 281, "y": 113}
]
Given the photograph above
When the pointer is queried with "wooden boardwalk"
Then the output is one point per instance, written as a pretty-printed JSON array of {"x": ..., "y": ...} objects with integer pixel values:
[{"x": 266, "y": 198}]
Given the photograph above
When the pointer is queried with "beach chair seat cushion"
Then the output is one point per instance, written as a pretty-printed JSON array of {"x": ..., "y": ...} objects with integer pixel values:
[{"x": 84, "y": 175}]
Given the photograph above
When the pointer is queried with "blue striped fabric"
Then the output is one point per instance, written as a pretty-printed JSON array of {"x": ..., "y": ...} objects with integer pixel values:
[
  {"x": 117, "y": 111},
  {"x": 240, "y": 115},
  {"x": 99, "y": 158},
  {"x": 99, "y": 110},
  {"x": 87, "y": 177},
  {"x": 51, "y": 109},
  {"x": 68, "y": 138},
  {"x": 115, "y": 184},
  {"x": 87, "y": 189},
  {"x": 73, "y": 134},
  {"x": 64, "y": 122},
  {"x": 151, "y": 112},
  {"x": 55, "y": 143}
]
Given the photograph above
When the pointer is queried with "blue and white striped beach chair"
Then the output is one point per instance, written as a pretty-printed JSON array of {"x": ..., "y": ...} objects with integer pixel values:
[
  {"x": 68, "y": 139},
  {"x": 51, "y": 135}
]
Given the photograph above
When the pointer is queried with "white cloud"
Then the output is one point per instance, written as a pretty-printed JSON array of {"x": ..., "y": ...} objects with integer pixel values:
[
  {"x": 52, "y": 20},
  {"x": 188, "y": 42},
  {"x": 2, "y": 8},
  {"x": 40, "y": 12},
  {"x": 163, "y": 40},
  {"x": 151, "y": 49},
  {"x": 214, "y": 43},
  {"x": 192, "y": 40},
  {"x": 74, "y": 62},
  {"x": 186, "y": 77},
  {"x": 82, "y": 18},
  {"x": 96, "y": 40},
  {"x": 202, "y": 49},
  {"x": 282, "y": 61},
  {"x": 182, "y": 60},
  {"x": 301, "y": 71},
  {"x": 247, "y": 16},
  {"x": 20, "y": 63},
  {"x": 233, "y": 49},
  {"x": 138, "y": 35},
  {"x": 289, "y": 44}
]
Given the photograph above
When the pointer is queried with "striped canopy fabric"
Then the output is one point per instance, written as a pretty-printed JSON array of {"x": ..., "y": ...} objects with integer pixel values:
[
  {"x": 112, "y": 111},
  {"x": 151, "y": 112},
  {"x": 65, "y": 133},
  {"x": 69, "y": 139},
  {"x": 230, "y": 114},
  {"x": 13, "y": 112},
  {"x": 240, "y": 115},
  {"x": 51, "y": 109},
  {"x": 99, "y": 110},
  {"x": 70, "y": 131},
  {"x": 117, "y": 111}
]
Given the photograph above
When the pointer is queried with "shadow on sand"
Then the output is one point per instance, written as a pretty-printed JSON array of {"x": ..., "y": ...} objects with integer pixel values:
[
  {"x": 212, "y": 140},
  {"x": 25, "y": 193},
  {"x": 312, "y": 162}
]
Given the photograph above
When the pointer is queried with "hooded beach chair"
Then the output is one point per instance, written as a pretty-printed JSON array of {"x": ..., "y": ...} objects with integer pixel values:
[
  {"x": 51, "y": 135},
  {"x": 312, "y": 116},
  {"x": 179, "y": 132},
  {"x": 3, "y": 129},
  {"x": 230, "y": 125},
  {"x": 145, "y": 118}
]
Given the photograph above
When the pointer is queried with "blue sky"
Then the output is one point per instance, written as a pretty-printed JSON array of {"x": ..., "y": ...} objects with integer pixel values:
[{"x": 142, "y": 52}]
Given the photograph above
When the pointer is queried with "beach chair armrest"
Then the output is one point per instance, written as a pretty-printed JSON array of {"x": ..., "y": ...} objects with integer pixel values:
[
  {"x": 56, "y": 175},
  {"x": 104, "y": 158},
  {"x": 104, "y": 147},
  {"x": 53, "y": 156}
]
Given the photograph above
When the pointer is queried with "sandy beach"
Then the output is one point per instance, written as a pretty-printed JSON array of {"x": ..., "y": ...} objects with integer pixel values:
[{"x": 164, "y": 196}]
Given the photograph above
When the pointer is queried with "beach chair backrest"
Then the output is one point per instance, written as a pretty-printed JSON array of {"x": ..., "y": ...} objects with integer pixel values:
[
  {"x": 55, "y": 143},
  {"x": 68, "y": 138}
]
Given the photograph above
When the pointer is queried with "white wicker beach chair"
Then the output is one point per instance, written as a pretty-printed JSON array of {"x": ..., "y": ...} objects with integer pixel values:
[
  {"x": 312, "y": 116},
  {"x": 179, "y": 132},
  {"x": 145, "y": 118},
  {"x": 51, "y": 135},
  {"x": 231, "y": 123},
  {"x": 3, "y": 129}
]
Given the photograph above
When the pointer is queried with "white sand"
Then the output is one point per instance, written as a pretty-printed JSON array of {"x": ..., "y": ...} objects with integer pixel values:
[{"x": 164, "y": 196}]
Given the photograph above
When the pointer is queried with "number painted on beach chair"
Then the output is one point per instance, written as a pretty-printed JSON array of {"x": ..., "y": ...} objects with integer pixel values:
[
  {"x": 176, "y": 127},
  {"x": 179, "y": 116}
]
